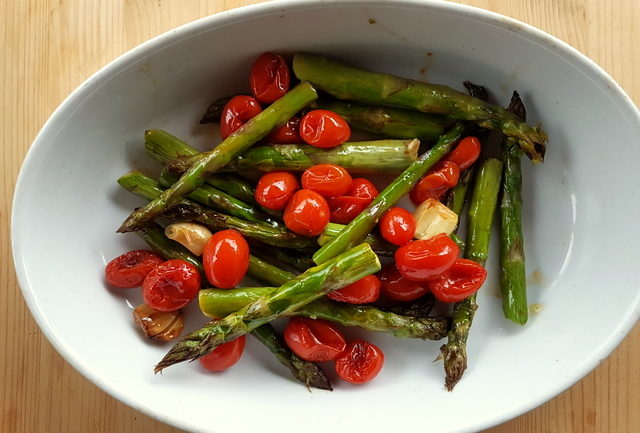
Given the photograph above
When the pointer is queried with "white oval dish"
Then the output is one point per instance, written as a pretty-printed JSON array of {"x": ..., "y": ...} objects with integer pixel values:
[{"x": 580, "y": 232}]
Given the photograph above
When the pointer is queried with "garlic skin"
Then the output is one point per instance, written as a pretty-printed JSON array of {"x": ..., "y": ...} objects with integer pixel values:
[
  {"x": 190, "y": 235},
  {"x": 432, "y": 218},
  {"x": 159, "y": 325}
]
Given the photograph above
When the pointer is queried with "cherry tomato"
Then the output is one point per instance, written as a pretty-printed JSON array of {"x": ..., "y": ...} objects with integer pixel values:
[
  {"x": 129, "y": 269},
  {"x": 171, "y": 285},
  {"x": 225, "y": 355},
  {"x": 346, "y": 207},
  {"x": 362, "y": 188},
  {"x": 289, "y": 133},
  {"x": 313, "y": 340},
  {"x": 225, "y": 259},
  {"x": 324, "y": 129},
  {"x": 328, "y": 180},
  {"x": 461, "y": 280},
  {"x": 307, "y": 213},
  {"x": 236, "y": 112},
  {"x": 269, "y": 78},
  {"x": 424, "y": 260},
  {"x": 442, "y": 177},
  {"x": 363, "y": 291},
  {"x": 360, "y": 362},
  {"x": 275, "y": 189},
  {"x": 395, "y": 286},
  {"x": 397, "y": 226},
  {"x": 466, "y": 152}
]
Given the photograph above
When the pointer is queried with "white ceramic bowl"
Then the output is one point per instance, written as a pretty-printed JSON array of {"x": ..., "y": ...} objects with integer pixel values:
[{"x": 581, "y": 232}]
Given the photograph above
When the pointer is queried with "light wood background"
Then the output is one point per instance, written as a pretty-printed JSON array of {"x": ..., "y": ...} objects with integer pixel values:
[{"x": 48, "y": 47}]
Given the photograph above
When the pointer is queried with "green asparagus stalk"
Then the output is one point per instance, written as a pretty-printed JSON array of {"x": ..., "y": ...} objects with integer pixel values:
[
  {"x": 345, "y": 82},
  {"x": 380, "y": 246},
  {"x": 458, "y": 194},
  {"x": 334, "y": 274},
  {"x": 186, "y": 210},
  {"x": 358, "y": 229},
  {"x": 481, "y": 211},
  {"x": 289, "y": 257},
  {"x": 214, "y": 110},
  {"x": 254, "y": 130}
]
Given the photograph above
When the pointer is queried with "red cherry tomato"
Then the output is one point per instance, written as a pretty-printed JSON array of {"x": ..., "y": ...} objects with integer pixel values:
[
  {"x": 269, "y": 78},
  {"x": 275, "y": 189},
  {"x": 460, "y": 281},
  {"x": 225, "y": 259},
  {"x": 236, "y": 112},
  {"x": 346, "y": 207},
  {"x": 362, "y": 188},
  {"x": 324, "y": 129},
  {"x": 328, "y": 180},
  {"x": 424, "y": 260},
  {"x": 395, "y": 286},
  {"x": 129, "y": 269},
  {"x": 171, "y": 285},
  {"x": 313, "y": 340},
  {"x": 397, "y": 226},
  {"x": 307, "y": 213},
  {"x": 466, "y": 152},
  {"x": 289, "y": 133},
  {"x": 360, "y": 362},
  {"x": 225, "y": 355},
  {"x": 363, "y": 291},
  {"x": 442, "y": 177}
]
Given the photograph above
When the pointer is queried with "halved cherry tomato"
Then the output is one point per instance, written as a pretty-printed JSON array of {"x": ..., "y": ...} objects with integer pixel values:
[
  {"x": 395, "y": 286},
  {"x": 460, "y": 281},
  {"x": 307, "y": 213},
  {"x": 443, "y": 176},
  {"x": 346, "y": 207},
  {"x": 129, "y": 269},
  {"x": 324, "y": 129},
  {"x": 363, "y": 291},
  {"x": 269, "y": 78},
  {"x": 275, "y": 189},
  {"x": 225, "y": 259},
  {"x": 424, "y": 260},
  {"x": 313, "y": 340},
  {"x": 225, "y": 355},
  {"x": 466, "y": 152},
  {"x": 171, "y": 285},
  {"x": 328, "y": 180},
  {"x": 236, "y": 112},
  {"x": 397, "y": 226},
  {"x": 360, "y": 362},
  {"x": 289, "y": 133}
]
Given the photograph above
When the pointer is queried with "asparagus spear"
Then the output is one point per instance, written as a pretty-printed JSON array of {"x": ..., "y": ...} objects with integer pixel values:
[
  {"x": 457, "y": 196},
  {"x": 251, "y": 132},
  {"x": 481, "y": 211},
  {"x": 186, "y": 210},
  {"x": 290, "y": 257},
  {"x": 345, "y": 82},
  {"x": 380, "y": 246},
  {"x": 214, "y": 110},
  {"x": 357, "y": 230}
]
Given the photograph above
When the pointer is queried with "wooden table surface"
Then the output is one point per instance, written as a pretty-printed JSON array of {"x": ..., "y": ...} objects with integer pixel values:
[{"x": 48, "y": 47}]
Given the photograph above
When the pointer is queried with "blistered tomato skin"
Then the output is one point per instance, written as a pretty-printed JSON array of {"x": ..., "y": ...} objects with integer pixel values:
[
  {"x": 461, "y": 280},
  {"x": 397, "y": 226},
  {"x": 324, "y": 129},
  {"x": 328, "y": 180},
  {"x": 275, "y": 189},
  {"x": 171, "y": 285},
  {"x": 236, "y": 113},
  {"x": 225, "y": 259},
  {"x": 307, "y": 213},
  {"x": 394, "y": 286},
  {"x": 363, "y": 291},
  {"x": 345, "y": 208},
  {"x": 225, "y": 355},
  {"x": 129, "y": 269},
  {"x": 314, "y": 340},
  {"x": 360, "y": 362},
  {"x": 269, "y": 78},
  {"x": 423, "y": 260},
  {"x": 289, "y": 133},
  {"x": 439, "y": 180},
  {"x": 466, "y": 152}
]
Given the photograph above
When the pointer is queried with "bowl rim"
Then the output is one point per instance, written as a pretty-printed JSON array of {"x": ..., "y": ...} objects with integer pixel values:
[{"x": 236, "y": 15}]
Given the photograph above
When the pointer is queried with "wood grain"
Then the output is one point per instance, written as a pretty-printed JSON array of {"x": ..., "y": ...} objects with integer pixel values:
[{"x": 48, "y": 47}]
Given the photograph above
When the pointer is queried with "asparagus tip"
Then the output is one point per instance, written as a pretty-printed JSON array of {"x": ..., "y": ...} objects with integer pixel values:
[{"x": 455, "y": 363}]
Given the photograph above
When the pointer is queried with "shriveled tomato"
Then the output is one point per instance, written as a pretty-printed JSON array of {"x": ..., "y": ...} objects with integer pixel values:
[
  {"x": 275, "y": 189},
  {"x": 269, "y": 78},
  {"x": 225, "y": 355},
  {"x": 466, "y": 152},
  {"x": 424, "y": 260},
  {"x": 329, "y": 180},
  {"x": 363, "y": 291},
  {"x": 129, "y": 269},
  {"x": 171, "y": 285},
  {"x": 346, "y": 207},
  {"x": 289, "y": 133},
  {"x": 395, "y": 286},
  {"x": 225, "y": 259},
  {"x": 461, "y": 280},
  {"x": 362, "y": 188},
  {"x": 441, "y": 178},
  {"x": 360, "y": 362},
  {"x": 397, "y": 226},
  {"x": 307, "y": 213},
  {"x": 313, "y": 340},
  {"x": 236, "y": 112},
  {"x": 324, "y": 129}
]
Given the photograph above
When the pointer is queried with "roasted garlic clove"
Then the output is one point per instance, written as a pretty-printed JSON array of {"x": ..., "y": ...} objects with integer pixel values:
[
  {"x": 159, "y": 325},
  {"x": 191, "y": 235},
  {"x": 432, "y": 218}
]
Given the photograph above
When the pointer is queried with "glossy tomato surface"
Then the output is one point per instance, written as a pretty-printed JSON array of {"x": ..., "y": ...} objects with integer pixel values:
[
  {"x": 275, "y": 189},
  {"x": 171, "y": 285},
  {"x": 423, "y": 260},
  {"x": 324, "y": 129},
  {"x": 225, "y": 355},
  {"x": 360, "y": 362},
  {"x": 329, "y": 180},
  {"x": 363, "y": 291},
  {"x": 129, "y": 269},
  {"x": 394, "y": 286},
  {"x": 307, "y": 213},
  {"x": 461, "y": 280},
  {"x": 236, "y": 113},
  {"x": 314, "y": 340},
  {"x": 397, "y": 226},
  {"x": 225, "y": 259},
  {"x": 269, "y": 78}
]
